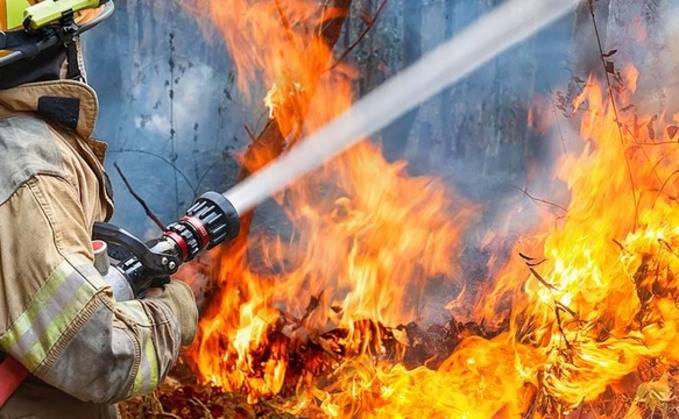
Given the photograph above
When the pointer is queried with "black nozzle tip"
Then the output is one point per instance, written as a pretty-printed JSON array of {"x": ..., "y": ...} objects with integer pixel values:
[{"x": 218, "y": 215}]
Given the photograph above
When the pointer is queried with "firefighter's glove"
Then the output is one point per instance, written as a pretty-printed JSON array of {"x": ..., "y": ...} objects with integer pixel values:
[{"x": 178, "y": 296}]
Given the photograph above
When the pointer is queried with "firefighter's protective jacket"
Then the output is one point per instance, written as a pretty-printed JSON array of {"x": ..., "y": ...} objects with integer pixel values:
[{"x": 85, "y": 350}]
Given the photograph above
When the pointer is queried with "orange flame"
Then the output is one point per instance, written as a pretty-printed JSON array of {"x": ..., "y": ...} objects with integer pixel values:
[
  {"x": 592, "y": 298},
  {"x": 366, "y": 236},
  {"x": 603, "y": 299}
]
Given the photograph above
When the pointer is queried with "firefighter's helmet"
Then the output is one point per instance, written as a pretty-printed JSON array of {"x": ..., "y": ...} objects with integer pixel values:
[{"x": 28, "y": 27}]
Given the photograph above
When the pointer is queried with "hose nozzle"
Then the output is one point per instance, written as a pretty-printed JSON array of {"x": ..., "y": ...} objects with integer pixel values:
[{"x": 211, "y": 220}]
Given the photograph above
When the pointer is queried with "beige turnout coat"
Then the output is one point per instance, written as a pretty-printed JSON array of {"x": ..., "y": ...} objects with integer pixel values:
[{"x": 85, "y": 350}]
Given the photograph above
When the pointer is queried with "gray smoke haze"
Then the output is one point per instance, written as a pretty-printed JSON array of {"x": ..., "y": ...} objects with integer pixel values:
[
  {"x": 135, "y": 65},
  {"x": 168, "y": 98},
  {"x": 456, "y": 58},
  {"x": 169, "y": 110}
]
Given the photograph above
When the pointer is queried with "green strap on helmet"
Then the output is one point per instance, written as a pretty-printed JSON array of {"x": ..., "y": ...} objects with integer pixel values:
[
  {"x": 15, "y": 12},
  {"x": 46, "y": 12},
  {"x": 47, "y": 24}
]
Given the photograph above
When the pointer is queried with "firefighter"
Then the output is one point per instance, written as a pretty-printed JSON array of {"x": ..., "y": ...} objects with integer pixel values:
[{"x": 59, "y": 321}]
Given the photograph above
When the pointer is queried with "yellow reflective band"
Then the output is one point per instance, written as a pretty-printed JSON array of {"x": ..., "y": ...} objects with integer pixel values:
[
  {"x": 147, "y": 377},
  {"x": 147, "y": 374},
  {"x": 152, "y": 362},
  {"x": 135, "y": 310},
  {"x": 55, "y": 306},
  {"x": 24, "y": 323},
  {"x": 60, "y": 323},
  {"x": 15, "y": 13}
]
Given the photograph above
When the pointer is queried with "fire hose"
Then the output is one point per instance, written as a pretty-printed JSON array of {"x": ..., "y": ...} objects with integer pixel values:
[
  {"x": 211, "y": 220},
  {"x": 139, "y": 265}
]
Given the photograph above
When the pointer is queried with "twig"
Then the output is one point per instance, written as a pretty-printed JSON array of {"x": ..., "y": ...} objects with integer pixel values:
[
  {"x": 532, "y": 407},
  {"x": 165, "y": 159},
  {"x": 542, "y": 280},
  {"x": 643, "y": 150},
  {"x": 204, "y": 175},
  {"x": 562, "y": 306},
  {"x": 173, "y": 131},
  {"x": 676, "y": 172},
  {"x": 622, "y": 248},
  {"x": 563, "y": 141},
  {"x": 250, "y": 133},
  {"x": 360, "y": 37},
  {"x": 287, "y": 27},
  {"x": 615, "y": 112},
  {"x": 135, "y": 195},
  {"x": 196, "y": 402},
  {"x": 331, "y": 28},
  {"x": 657, "y": 143},
  {"x": 661, "y": 241},
  {"x": 533, "y": 264},
  {"x": 163, "y": 413},
  {"x": 561, "y": 331},
  {"x": 314, "y": 303},
  {"x": 558, "y": 306},
  {"x": 540, "y": 200}
]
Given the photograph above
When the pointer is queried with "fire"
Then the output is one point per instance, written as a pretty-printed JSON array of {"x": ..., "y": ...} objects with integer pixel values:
[
  {"x": 585, "y": 301},
  {"x": 367, "y": 237},
  {"x": 601, "y": 297}
]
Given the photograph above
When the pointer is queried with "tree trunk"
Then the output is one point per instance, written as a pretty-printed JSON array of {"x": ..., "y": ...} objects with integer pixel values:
[
  {"x": 451, "y": 144},
  {"x": 395, "y": 136}
]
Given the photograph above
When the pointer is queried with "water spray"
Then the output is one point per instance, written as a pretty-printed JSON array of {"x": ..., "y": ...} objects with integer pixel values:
[
  {"x": 489, "y": 36},
  {"x": 215, "y": 218}
]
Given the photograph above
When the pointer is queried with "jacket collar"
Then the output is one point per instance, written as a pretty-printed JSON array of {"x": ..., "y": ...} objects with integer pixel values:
[{"x": 70, "y": 103}]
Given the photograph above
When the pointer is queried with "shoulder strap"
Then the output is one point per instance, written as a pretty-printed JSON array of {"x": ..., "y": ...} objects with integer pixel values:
[{"x": 21, "y": 41}]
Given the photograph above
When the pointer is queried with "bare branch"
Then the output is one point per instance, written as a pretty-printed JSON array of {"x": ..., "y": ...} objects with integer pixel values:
[
  {"x": 138, "y": 198},
  {"x": 360, "y": 36}
]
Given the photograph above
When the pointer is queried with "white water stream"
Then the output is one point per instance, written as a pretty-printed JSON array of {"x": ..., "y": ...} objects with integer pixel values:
[{"x": 489, "y": 36}]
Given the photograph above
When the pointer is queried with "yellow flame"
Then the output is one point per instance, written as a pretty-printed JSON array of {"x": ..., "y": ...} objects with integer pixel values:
[{"x": 367, "y": 238}]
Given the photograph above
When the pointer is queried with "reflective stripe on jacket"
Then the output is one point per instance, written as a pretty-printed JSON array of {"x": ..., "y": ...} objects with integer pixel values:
[{"x": 85, "y": 350}]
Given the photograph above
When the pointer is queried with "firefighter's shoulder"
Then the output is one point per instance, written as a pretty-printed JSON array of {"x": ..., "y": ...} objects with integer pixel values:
[{"x": 27, "y": 149}]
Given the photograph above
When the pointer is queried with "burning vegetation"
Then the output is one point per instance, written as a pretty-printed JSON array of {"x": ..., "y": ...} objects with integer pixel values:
[{"x": 580, "y": 320}]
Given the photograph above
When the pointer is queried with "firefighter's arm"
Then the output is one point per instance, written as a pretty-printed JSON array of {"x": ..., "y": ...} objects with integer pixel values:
[{"x": 62, "y": 321}]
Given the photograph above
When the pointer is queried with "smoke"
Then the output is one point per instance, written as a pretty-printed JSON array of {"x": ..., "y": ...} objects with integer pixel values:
[
  {"x": 189, "y": 96},
  {"x": 477, "y": 134},
  {"x": 168, "y": 109},
  {"x": 173, "y": 117},
  {"x": 488, "y": 138},
  {"x": 457, "y": 135},
  {"x": 645, "y": 34}
]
